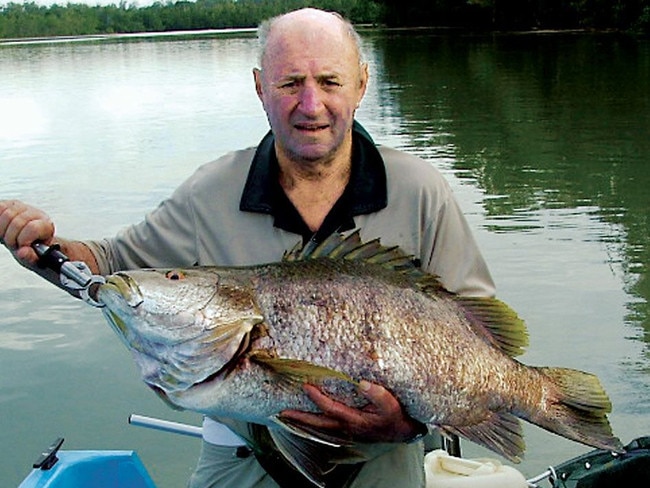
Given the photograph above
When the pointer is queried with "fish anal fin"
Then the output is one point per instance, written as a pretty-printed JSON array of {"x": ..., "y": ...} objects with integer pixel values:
[
  {"x": 297, "y": 372},
  {"x": 495, "y": 322},
  {"x": 500, "y": 432}
]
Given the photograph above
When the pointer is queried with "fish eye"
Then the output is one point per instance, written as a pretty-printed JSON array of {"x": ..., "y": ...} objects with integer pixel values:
[{"x": 175, "y": 274}]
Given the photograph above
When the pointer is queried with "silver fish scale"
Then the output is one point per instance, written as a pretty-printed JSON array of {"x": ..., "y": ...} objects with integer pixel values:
[{"x": 371, "y": 330}]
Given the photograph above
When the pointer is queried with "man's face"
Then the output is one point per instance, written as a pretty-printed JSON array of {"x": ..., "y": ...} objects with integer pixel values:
[{"x": 310, "y": 85}]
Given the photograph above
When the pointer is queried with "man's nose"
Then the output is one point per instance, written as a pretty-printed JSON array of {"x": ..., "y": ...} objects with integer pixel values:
[{"x": 311, "y": 98}]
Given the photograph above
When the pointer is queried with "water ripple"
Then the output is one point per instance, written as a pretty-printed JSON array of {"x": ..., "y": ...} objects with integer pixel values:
[{"x": 15, "y": 341}]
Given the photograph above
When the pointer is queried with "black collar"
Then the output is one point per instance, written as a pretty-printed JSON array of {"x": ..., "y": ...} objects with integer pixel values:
[{"x": 365, "y": 193}]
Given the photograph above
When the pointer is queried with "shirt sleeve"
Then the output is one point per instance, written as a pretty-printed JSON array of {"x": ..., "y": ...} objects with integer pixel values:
[
  {"x": 425, "y": 219},
  {"x": 166, "y": 237},
  {"x": 454, "y": 255}
]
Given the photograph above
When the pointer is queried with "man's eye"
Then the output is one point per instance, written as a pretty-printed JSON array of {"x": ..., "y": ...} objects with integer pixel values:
[
  {"x": 331, "y": 84},
  {"x": 288, "y": 84}
]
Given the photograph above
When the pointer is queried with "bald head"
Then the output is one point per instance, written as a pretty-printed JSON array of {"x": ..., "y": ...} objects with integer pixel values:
[
  {"x": 309, "y": 25},
  {"x": 310, "y": 84}
]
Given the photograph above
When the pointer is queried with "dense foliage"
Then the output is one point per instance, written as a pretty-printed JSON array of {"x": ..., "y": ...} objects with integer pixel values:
[
  {"x": 628, "y": 15},
  {"x": 32, "y": 20}
]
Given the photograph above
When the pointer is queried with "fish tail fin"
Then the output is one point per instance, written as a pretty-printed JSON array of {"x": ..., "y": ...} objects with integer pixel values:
[{"x": 578, "y": 409}]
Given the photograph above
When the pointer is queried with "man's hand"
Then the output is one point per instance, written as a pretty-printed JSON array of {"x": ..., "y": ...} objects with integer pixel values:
[
  {"x": 21, "y": 225},
  {"x": 383, "y": 420}
]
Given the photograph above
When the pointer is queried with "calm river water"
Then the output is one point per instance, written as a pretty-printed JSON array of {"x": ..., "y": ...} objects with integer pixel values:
[{"x": 545, "y": 139}]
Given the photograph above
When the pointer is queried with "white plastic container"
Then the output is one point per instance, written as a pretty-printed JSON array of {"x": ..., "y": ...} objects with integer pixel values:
[{"x": 445, "y": 471}]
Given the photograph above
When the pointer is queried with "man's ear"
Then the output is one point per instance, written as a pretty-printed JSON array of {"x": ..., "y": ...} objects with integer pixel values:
[
  {"x": 363, "y": 81},
  {"x": 257, "y": 76}
]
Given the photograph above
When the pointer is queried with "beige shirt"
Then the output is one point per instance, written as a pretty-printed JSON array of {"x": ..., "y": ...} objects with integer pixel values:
[{"x": 202, "y": 224}]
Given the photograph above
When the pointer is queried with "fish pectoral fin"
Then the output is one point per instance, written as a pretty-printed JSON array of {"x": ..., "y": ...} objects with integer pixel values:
[
  {"x": 312, "y": 457},
  {"x": 296, "y": 372},
  {"x": 501, "y": 433}
]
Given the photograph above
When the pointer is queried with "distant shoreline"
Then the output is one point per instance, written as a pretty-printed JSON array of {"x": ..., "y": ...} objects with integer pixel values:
[
  {"x": 133, "y": 35},
  {"x": 252, "y": 30}
]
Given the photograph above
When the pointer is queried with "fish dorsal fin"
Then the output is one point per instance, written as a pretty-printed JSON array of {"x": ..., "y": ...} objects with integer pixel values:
[
  {"x": 351, "y": 248},
  {"x": 496, "y": 322},
  {"x": 490, "y": 318}
]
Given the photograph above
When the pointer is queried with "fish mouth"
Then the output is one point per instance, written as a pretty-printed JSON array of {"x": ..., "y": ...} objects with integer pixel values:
[{"x": 124, "y": 286}]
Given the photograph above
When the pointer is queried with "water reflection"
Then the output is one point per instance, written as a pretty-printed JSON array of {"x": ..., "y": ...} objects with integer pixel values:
[
  {"x": 548, "y": 127},
  {"x": 544, "y": 139}
]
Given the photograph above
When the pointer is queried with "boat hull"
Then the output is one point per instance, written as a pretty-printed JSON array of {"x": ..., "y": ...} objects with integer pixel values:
[{"x": 92, "y": 469}]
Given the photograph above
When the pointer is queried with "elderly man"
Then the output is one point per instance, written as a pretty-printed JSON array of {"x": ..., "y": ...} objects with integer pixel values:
[{"x": 316, "y": 172}]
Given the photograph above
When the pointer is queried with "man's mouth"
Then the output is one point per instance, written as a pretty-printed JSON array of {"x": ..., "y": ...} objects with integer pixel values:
[{"x": 311, "y": 127}]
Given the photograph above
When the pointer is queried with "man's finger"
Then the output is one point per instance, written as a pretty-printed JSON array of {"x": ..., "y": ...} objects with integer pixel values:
[
  {"x": 335, "y": 415},
  {"x": 313, "y": 420},
  {"x": 380, "y": 397}
]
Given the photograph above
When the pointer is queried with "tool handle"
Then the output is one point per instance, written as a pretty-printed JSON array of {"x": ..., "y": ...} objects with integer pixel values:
[{"x": 50, "y": 257}]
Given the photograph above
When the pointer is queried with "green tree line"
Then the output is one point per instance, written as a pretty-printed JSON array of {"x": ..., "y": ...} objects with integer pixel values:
[
  {"x": 626, "y": 15},
  {"x": 20, "y": 20}
]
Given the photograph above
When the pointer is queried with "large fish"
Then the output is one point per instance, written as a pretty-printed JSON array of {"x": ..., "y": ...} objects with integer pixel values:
[{"x": 239, "y": 342}]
